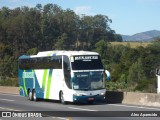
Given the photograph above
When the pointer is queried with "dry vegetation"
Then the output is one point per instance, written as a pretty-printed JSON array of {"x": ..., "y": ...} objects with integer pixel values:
[{"x": 132, "y": 44}]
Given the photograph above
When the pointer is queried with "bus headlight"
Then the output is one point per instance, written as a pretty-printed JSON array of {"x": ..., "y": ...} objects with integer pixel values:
[{"x": 102, "y": 93}]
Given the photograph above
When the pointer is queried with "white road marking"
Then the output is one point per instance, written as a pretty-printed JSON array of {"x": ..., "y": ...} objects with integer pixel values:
[
  {"x": 134, "y": 106},
  {"x": 4, "y": 108},
  {"x": 82, "y": 109},
  {"x": 7, "y": 100},
  {"x": 10, "y": 94},
  {"x": 61, "y": 118}
]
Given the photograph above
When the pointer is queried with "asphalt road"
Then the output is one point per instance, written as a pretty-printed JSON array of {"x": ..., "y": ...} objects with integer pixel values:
[{"x": 53, "y": 110}]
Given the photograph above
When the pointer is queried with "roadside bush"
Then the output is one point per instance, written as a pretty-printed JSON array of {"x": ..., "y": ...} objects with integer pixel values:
[{"x": 7, "y": 81}]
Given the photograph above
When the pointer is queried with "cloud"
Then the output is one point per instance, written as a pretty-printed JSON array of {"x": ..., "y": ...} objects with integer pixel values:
[{"x": 83, "y": 10}]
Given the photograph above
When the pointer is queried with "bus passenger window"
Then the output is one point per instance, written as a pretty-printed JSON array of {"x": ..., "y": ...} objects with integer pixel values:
[{"x": 67, "y": 71}]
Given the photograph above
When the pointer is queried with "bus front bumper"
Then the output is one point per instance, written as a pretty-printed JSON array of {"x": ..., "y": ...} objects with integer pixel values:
[{"x": 84, "y": 98}]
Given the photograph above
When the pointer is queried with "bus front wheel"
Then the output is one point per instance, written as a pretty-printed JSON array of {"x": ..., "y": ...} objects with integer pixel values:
[{"x": 62, "y": 98}]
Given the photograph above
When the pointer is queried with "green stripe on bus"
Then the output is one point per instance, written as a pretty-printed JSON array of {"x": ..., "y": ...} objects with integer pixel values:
[
  {"x": 24, "y": 83},
  {"x": 49, "y": 83},
  {"x": 21, "y": 88},
  {"x": 44, "y": 79}
]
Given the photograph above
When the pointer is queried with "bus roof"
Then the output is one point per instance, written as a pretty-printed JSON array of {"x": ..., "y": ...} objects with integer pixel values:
[{"x": 59, "y": 52}]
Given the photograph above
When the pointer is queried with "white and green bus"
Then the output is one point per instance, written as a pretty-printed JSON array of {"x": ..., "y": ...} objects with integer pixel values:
[{"x": 73, "y": 76}]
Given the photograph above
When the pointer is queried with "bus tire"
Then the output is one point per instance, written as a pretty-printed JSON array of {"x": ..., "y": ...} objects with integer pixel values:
[
  {"x": 34, "y": 95},
  {"x": 30, "y": 95},
  {"x": 62, "y": 98}
]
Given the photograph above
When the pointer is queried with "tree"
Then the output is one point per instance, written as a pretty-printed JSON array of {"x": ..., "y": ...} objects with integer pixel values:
[
  {"x": 118, "y": 37},
  {"x": 32, "y": 51},
  {"x": 136, "y": 73},
  {"x": 102, "y": 47},
  {"x": 61, "y": 42}
]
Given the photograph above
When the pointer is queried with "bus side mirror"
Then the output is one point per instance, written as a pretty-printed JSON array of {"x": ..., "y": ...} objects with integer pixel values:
[{"x": 108, "y": 75}]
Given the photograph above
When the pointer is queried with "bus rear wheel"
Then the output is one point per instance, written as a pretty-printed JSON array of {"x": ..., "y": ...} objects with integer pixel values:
[
  {"x": 62, "y": 98},
  {"x": 34, "y": 96},
  {"x": 30, "y": 95}
]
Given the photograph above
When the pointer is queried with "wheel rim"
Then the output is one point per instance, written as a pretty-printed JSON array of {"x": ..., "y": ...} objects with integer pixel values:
[
  {"x": 30, "y": 95},
  {"x": 34, "y": 96}
]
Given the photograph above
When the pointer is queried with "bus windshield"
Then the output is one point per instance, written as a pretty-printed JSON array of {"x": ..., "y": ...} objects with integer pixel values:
[
  {"x": 88, "y": 80},
  {"x": 86, "y": 62}
]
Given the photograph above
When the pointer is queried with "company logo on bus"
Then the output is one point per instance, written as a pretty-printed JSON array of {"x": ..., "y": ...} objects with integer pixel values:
[
  {"x": 28, "y": 75},
  {"x": 85, "y": 58}
]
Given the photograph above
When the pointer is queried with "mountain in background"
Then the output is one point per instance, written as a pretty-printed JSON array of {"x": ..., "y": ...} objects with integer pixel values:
[{"x": 143, "y": 36}]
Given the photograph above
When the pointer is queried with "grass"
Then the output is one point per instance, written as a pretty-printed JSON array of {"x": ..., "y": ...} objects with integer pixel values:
[{"x": 132, "y": 44}]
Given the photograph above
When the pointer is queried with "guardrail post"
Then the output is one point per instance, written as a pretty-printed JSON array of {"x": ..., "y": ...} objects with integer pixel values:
[
  {"x": 158, "y": 83},
  {"x": 158, "y": 79}
]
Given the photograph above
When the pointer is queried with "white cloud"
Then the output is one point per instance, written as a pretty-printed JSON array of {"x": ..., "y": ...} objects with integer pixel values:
[{"x": 83, "y": 10}]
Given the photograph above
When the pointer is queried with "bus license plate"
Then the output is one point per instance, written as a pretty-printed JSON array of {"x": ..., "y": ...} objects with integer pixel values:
[{"x": 90, "y": 98}]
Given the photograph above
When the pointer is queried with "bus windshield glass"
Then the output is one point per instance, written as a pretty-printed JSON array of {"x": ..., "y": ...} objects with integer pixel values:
[
  {"x": 88, "y": 80},
  {"x": 86, "y": 62}
]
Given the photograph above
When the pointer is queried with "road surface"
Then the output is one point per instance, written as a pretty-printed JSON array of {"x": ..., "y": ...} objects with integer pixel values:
[{"x": 50, "y": 109}]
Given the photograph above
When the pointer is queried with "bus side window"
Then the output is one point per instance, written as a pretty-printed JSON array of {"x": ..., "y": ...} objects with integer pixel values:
[
  {"x": 21, "y": 66},
  {"x": 26, "y": 64},
  {"x": 66, "y": 63},
  {"x": 41, "y": 63},
  {"x": 67, "y": 71},
  {"x": 56, "y": 62}
]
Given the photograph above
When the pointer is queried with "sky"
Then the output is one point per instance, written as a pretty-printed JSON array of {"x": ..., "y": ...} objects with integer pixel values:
[{"x": 128, "y": 16}]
